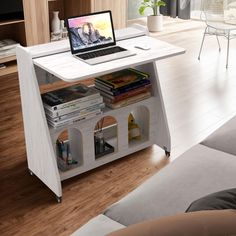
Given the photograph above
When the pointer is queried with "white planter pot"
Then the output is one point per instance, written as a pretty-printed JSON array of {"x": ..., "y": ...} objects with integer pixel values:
[{"x": 155, "y": 23}]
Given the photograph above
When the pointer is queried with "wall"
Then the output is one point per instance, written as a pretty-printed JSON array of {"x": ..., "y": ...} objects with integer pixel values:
[{"x": 133, "y": 6}]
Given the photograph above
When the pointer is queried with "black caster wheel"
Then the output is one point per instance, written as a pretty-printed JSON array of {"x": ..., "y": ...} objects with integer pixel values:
[
  {"x": 31, "y": 173},
  {"x": 167, "y": 154},
  {"x": 59, "y": 199}
]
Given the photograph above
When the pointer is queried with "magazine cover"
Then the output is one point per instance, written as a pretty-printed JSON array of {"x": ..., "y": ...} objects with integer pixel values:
[
  {"x": 122, "y": 78},
  {"x": 123, "y": 89},
  {"x": 72, "y": 94}
]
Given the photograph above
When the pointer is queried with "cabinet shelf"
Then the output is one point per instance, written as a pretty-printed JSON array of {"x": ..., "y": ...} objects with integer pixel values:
[
  {"x": 137, "y": 142},
  {"x": 7, "y": 59},
  {"x": 12, "y": 21},
  {"x": 11, "y": 67}
]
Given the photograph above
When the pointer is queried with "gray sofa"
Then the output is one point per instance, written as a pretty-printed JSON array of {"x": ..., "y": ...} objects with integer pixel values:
[{"x": 206, "y": 168}]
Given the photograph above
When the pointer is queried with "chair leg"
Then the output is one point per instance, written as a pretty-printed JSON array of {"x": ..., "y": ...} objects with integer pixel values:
[
  {"x": 227, "y": 59},
  {"x": 218, "y": 42},
  {"x": 203, "y": 39}
]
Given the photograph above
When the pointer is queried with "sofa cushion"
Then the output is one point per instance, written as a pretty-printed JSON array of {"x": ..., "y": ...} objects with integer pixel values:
[
  {"x": 192, "y": 175},
  {"x": 216, "y": 201},
  {"x": 223, "y": 139},
  {"x": 210, "y": 223}
]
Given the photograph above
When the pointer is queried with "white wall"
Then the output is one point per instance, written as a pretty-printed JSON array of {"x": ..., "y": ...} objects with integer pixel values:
[
  {"x": 133, "y": 6},
  {"x": 195, "y": 4}
]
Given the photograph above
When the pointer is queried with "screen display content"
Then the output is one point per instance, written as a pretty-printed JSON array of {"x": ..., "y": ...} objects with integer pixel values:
[{"x": 90, "y": 31}]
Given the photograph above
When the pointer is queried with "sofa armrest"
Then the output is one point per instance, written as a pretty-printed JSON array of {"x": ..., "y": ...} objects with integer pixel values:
[{"x": 210, "y": 223}]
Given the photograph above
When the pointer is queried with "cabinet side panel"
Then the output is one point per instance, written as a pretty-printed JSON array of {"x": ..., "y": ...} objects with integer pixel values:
[
  {"x": 36, "y": 21},
  {"x": 118, "y": 8},
  {"x": 162, "y": 134},
  {"x": 76, "y": 7},
  {"x": 40, "y": 154}
]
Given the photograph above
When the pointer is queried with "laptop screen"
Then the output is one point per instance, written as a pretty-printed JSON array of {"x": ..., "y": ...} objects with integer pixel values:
[{"x": 91, "y": 31}]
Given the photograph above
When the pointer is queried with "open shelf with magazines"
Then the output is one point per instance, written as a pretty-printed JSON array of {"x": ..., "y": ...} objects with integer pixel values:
[
  {"x": 12, "y": 33},
  {"x": 124, "y": 87},
  {"x": 8, "y": 64},
  {"x": 134, "y": 117},
  {"x": 9, "y": 40}
]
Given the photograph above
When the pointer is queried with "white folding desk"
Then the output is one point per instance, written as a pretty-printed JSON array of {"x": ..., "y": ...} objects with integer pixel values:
[{"x": 50, "y": 62}]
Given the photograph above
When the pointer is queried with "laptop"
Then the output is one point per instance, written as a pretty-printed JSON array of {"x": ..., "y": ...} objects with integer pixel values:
[{"x": 92, "y": 38}]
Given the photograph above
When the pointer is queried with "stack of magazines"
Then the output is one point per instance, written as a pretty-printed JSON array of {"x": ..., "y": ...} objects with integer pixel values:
[
  {"x": 72, "y": 104},
  {"x": 8, "y": 48},
  {"x": 123, "y": 88}
]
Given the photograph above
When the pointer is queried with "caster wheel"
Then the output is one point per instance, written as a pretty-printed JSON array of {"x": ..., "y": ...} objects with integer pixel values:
[
  {"x": 31, "y": 173},
  {"x": 167, "y": 153},
  {"x": 59, "y": 199}
]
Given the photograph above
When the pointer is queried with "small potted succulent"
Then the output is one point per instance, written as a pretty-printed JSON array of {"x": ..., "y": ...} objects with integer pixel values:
[{"x": 155, "y": 21}]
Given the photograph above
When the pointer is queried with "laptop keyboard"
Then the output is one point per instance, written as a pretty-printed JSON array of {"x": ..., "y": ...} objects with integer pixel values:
[{"x": 99, "y": 53}]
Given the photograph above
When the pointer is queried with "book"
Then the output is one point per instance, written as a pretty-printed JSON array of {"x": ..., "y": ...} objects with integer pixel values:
[
  {"x": 124, "y": 89},
  {"x": 113, "y": 99},
  {"x": 69, "y": 96},
  {"x": 129, "y": 101},
  {"x": 121, "y": 78},
  {"x": 8, "y": 52},
  {"x": 7, "y": 44},
  {"x": 80, "y": 107},
  {"x": 73, "y": 115},
  {"x": 73, "y": 120}
]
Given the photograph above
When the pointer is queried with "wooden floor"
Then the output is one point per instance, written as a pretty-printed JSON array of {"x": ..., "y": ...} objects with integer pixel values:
[{"x": 199, "y": 96}]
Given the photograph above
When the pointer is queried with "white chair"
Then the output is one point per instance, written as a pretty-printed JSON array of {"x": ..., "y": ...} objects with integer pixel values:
[{"x": 220, "y": 18}]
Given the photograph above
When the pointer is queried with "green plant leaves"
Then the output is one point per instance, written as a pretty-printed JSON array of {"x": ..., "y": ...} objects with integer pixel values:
[
  {"x": 160, "y": 4},
  {"x": 154, "y": 4},
  {"x": 141, "y": 10}
]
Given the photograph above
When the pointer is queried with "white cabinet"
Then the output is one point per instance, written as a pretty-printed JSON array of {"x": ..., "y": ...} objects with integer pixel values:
[{"x": 50, "y": 62}]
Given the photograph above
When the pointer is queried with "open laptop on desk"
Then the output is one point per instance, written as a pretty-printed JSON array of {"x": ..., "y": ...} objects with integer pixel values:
[{"x": 92, "y": 38}]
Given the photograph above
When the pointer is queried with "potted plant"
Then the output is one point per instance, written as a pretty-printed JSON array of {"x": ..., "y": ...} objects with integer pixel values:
[{"x": 155, "y": 21}]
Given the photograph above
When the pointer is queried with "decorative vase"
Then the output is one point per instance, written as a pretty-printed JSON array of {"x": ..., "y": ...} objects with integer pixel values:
[
  {"x": 56, "y": 23},
  {"x": 155, "y": 23}
]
